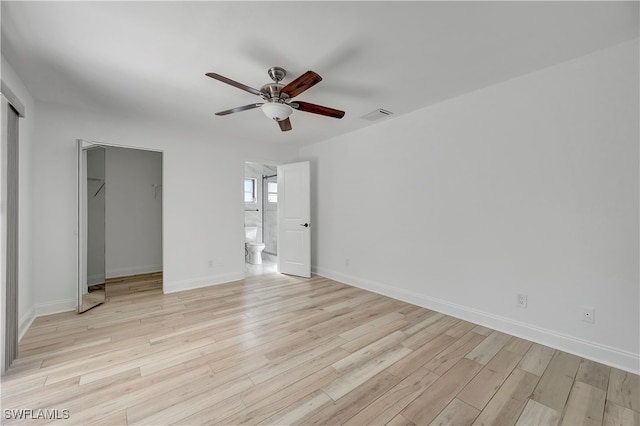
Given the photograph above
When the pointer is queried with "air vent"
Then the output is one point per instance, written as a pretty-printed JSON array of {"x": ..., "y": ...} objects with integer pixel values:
[{"x": 377, "y": 114}]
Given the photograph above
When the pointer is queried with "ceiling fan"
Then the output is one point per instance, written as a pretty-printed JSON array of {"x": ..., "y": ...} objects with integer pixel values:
[{"x": 278, "y": 104}]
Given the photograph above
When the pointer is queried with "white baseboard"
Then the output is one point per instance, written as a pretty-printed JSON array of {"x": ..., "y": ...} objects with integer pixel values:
[
  {"x": 133, "y": 270},
  {"x": 591, "y": 350},
  {"x": 41, "y": 309},
  {"x": 173, "y": 287},
  {"x": 26, "y": 321},
  {"x": 55, "y": 307}
]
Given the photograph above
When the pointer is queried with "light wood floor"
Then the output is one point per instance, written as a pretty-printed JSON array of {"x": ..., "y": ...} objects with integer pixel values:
[{"x": 275, "y": 349}]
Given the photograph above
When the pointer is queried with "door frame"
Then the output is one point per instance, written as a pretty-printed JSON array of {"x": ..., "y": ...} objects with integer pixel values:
[
  {"x": 241, "y": 207},
  {"x": 79, "y": 230}
]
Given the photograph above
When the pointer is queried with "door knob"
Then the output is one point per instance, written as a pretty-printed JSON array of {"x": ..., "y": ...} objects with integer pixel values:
[{"x": 306, "y": 225}]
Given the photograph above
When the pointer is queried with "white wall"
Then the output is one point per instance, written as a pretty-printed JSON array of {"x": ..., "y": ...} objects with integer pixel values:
[
  {"x": 26, "y": 293},
  {"x": 133, "y": 211},
  {"x": 529, "y": 186},
  {"x": 202, "y": 197}
]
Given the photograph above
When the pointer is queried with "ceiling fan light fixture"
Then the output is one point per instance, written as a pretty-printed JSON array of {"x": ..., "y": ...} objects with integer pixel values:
[{"x": 276, "y": 111}]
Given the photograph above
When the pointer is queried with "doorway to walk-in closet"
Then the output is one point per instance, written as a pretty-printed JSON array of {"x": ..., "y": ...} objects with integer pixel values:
[
  {"x": 260, "y": 218},
  {"x": 120, "y": 226}
]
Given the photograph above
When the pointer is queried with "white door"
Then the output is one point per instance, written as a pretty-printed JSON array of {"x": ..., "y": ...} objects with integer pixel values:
[{"x": 294, "y": 219}]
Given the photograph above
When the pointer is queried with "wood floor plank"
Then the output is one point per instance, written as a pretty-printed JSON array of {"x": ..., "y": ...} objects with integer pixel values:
[
  {"x": 172, "y": 356},
  {"x": 400, "y": 420},
  {"x": 585, "y": 405},
  {"x": 426, "y": 407},
  {"x": 279, "y": 349},
  {"x": 557, "y": 380},
  {"x": 389, "y": 405},
  {"x": 488, "y": 348},
  {"x": 85, "y": 409},
  {"x": 420, "y": 356},
  {"x": 617, "y": 415},
  {"x": 624, "y": 389},
  {"x": 460, "y": 329},
  {"x": 360, "y": 356},
  {"x": 177, "y": 394},
  {"x": 431, "y": 318},
  {"x": 454, "y": 353},
  {"x": 371, "y": 326},
  {"x": 594, "y": 374},
  {"x": 195, "y": 403},
  {"x": 507, "y": 404},
  {"x": 319, "y": 366},
  {"x": 276, "y": 368},
  {"x": 456, "y": 413},
  {"x": 297, "y": 411},
  {"x": 536, "y": 359},
  {"x": 340, "y": 411},
  {"x": 518, "y": 345},
  {"x": 486, "y": 383},
  {"x": 212, "y": 414},
  {"x": 374, "y": 335},
  {"x": 118, "y": 418},
  {"x": 354, "y": 377},
  {"x": 536, "y": 414},
  {"x": 484, "y": 331},
  {"x": 261, "y": 405}
]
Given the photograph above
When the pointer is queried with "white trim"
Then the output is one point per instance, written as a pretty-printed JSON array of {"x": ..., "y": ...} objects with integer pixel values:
[
  {"x": 115, "y": 145},
  {"x": 604, "y": 354},
  {"x": 118, "y": 273},
  {"x": 55, "y": 307},
  {"x": 12, "y": 99},
  {"x": 176, "y": 286},
  {"x": 133, "y": 270},
  {"x": 26, "y": 321}
]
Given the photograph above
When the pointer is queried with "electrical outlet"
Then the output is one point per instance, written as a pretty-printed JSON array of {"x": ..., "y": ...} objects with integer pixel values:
[
  {"x": 521, "y": 300},
  {"x": 588, "y": 314},
  {"x": 211, "y": 264},
  {"x": 347, "y": 262}
]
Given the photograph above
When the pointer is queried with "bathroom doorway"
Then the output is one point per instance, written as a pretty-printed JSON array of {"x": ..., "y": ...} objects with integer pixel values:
[{"x": 260, "y": 218}]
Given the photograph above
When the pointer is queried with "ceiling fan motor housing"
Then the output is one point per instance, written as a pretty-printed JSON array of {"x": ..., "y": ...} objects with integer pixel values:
[{"x": 271, "y": 92}]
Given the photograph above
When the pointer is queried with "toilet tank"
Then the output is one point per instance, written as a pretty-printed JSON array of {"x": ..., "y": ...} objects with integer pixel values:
[{"x": 251, "y": 234}]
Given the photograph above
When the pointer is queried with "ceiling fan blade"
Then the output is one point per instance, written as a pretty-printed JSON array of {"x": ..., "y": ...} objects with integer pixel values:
[
  {"x": 233, "y": 83},
  {"x": 302, "y": 83},
  {"x": 285, "y": 125},
  {"x": 317, "y": 109},
  {"x": 238, "y": 109}
]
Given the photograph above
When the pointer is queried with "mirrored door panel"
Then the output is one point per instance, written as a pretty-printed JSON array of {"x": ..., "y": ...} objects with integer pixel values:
[{"x": 91, "y": 225}]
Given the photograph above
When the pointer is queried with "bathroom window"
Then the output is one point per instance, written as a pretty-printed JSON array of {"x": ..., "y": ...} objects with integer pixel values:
[
  {"x": 272, "y": 192},
  {"x": 250, "y": 191}
]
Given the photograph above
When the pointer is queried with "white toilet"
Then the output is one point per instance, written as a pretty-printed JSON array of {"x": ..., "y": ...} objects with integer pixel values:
[{"x": 253, "y": 248}]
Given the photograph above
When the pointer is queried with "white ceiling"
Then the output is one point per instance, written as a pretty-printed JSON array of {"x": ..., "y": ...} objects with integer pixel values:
[{"x": 149, "y": 59}]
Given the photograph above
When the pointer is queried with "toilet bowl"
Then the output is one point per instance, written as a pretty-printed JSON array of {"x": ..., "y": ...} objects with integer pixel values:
[{"x": 253, "y": 248}]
